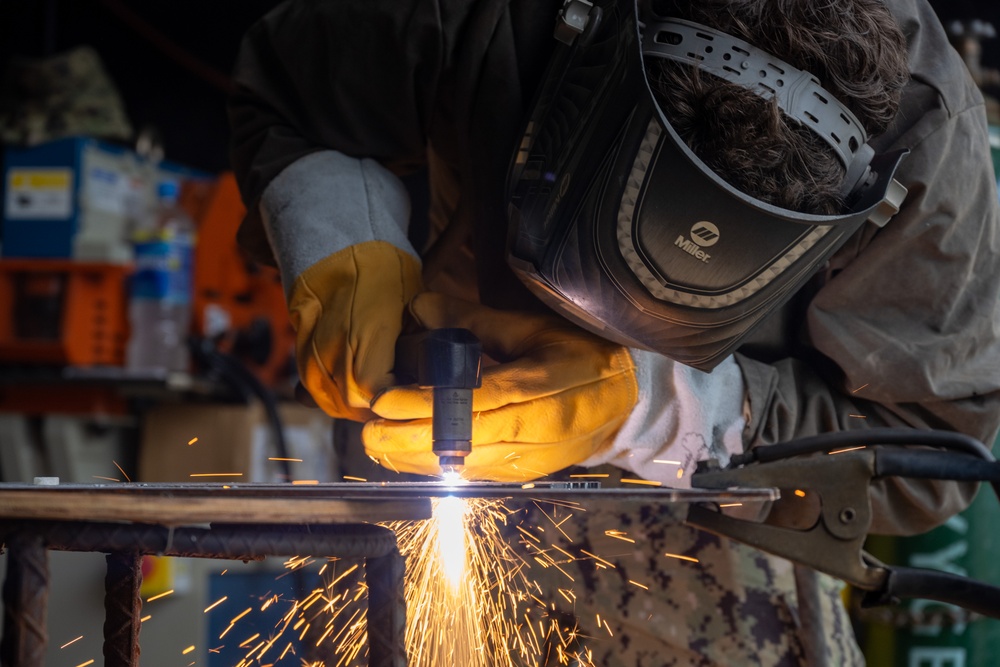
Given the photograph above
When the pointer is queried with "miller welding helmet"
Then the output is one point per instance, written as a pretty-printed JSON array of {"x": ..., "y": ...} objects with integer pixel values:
[{"x": 616, "y": 224}]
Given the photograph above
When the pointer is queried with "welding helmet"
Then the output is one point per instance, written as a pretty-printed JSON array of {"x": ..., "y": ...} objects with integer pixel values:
[{"x": 615, "y": 223}]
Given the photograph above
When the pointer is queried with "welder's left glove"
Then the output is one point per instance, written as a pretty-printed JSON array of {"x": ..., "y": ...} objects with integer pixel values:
[{"x": 557, "y": 396}]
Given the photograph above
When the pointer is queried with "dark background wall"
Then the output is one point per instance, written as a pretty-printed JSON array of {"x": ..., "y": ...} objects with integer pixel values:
[{"x": 171, "y": 59}]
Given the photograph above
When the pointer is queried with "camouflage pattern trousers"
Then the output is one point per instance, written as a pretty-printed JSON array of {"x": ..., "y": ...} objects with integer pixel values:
[{"x": 635, "y": 587}]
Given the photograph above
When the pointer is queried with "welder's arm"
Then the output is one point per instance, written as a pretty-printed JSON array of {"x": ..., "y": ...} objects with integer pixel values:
[
  {"x": 302, "y": 115},
  {"x": 557, "y": 397},
  {"x": 298, "y": 90},
  {"x": 683, "y": 416},
  {"x": 337, "y": 228},
  {"x": 905, "y": 330}
]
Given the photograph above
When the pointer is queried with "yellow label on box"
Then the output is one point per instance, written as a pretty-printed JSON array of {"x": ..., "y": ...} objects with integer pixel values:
[
  {"x": 39, "y": 193},
  {"x": 44, "y": 179}
]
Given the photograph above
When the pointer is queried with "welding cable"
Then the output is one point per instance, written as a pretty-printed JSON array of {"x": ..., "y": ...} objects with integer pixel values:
[
  {"x": 826, "y": 442},
  {"x": 935, "y": 464},
  {"x": 243, "y": 377},
  {"x": 232, "y": 371},
  {"x": 968, "y": 459}
]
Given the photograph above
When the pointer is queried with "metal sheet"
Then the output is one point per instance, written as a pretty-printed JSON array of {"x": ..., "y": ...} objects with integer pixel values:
[{"x": 318, "y": 503}]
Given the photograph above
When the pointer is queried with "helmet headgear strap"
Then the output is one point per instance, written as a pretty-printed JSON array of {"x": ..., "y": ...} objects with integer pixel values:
[{"x": 797, "y": 93}]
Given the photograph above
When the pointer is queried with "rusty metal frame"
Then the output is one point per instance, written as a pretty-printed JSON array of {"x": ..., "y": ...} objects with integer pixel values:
[{"x": 25, "y": 590}]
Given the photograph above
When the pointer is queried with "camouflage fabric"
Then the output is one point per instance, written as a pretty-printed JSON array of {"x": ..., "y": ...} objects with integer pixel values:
[
  {"x": 635, "y": 606},
  {"x": 64, "y": 95}
]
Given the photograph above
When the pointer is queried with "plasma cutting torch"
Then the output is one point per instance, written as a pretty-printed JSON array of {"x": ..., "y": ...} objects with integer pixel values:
[{"x": 450, "y": 362}]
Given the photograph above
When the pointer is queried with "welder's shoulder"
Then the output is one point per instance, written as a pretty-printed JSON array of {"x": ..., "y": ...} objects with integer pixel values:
[{"x": 939, "y": 76}]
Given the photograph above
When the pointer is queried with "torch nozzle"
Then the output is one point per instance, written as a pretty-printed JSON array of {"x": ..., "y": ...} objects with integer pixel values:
[{"x": 451, "y": 467}]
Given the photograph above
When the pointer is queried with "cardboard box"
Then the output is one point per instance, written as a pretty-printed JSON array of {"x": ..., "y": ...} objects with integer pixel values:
[{"x": 201, "y": 442}]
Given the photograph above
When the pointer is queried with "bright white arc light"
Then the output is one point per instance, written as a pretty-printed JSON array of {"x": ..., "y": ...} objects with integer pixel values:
[{"x": 449, "y": 514}]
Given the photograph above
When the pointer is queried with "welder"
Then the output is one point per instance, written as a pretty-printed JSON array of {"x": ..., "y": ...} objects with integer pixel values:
[{"x": 680, "y": 230}]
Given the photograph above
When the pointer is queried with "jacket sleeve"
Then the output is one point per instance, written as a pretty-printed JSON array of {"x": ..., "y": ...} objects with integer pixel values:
[
  {"x": 905, "y": 330},
  {"x": 357, "y": 77}
]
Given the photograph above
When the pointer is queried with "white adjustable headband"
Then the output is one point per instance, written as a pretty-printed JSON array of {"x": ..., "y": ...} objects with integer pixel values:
[{"x": 797, "y": 92}]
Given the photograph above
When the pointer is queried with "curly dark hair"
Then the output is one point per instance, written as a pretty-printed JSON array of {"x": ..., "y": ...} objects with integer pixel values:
[{"x": 854, "y": 47}]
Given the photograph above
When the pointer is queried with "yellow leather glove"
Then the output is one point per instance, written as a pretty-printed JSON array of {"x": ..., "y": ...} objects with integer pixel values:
[
  {"x": 347, "y": 310},
  {"x": 556, "y": 396}
]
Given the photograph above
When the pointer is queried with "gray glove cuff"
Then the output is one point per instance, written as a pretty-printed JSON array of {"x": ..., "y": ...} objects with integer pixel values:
[
  {"x": 327, "y": 201},
  {"x": 683, "y": 415}
]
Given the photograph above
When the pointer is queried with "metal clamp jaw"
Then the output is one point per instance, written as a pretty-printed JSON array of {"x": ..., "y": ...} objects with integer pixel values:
[
  {"x": 821, "y": 519},
  {"x": 824, "y": 513}
]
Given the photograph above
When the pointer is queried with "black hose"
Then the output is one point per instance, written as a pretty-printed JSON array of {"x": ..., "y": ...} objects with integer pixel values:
[
  {"x": 891, "y": 462},
  {"x": 930, "y": 464},
  {"x": 910, "y": 582},
  {"x": 826, "y": 442},
  {"x": 232, "y": 371}
]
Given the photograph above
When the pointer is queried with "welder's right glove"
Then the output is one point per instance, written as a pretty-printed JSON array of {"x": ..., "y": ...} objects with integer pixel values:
[
  {"x": 347, "y": 310},
  {"x": 558, "y": 396}
]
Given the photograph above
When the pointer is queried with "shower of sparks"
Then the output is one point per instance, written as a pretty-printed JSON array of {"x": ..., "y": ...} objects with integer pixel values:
[
  {"x": 469, "y": 601},
  {"x": 647, "y": 482},
  {"x": 122, "y": 470},
  {"x": 216, "y": 603},
  {"x": 189, "y": 649},
  {"x": 849, "y": 449},
  {"x": 216, "y": 474},
  {"x": 854, "y": 391},
  {"x": 619, "y": 535},
  {"x": 470, "y": 597},
  {"x": 451, "y": 539},
  {"x": 667, "y": 461},
  {"x": 681, "y": 557},
  {"x": 192, "y": 441},
  {"x": 800, "y": 493},
  {"x": 72, "y": 641},
  {"x": 160, "y": 595},
  {"x": 281, "y": 458},
  {"x": 598, "y": 560}
]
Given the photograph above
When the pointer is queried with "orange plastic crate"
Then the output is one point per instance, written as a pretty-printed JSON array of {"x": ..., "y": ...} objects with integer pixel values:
[{"x": 63, "y": 312}]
